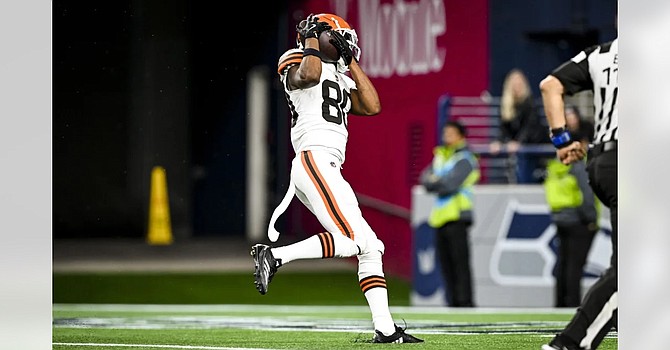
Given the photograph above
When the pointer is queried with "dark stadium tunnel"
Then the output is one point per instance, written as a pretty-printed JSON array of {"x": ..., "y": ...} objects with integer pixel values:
[{"x": 138, "y": 84}]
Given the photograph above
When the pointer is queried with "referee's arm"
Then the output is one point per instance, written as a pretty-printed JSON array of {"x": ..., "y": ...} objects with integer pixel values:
[
  {"x": 552, "y": 98},
  {"x": 554, "y": 108}
]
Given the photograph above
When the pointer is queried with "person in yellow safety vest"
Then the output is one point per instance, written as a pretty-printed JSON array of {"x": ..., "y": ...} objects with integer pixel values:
[
  {"x": 574, "y": 212},
  {"x": 451, "y": 176}
]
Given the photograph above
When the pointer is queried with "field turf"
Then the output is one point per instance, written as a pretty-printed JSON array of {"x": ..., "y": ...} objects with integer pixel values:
[
  {"x": 219, "y": 327},
  {"x": 223, "y": 311}
]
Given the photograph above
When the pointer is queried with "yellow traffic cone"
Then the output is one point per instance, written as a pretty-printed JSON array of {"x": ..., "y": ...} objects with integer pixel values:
[{"x": 160, "y": 228}]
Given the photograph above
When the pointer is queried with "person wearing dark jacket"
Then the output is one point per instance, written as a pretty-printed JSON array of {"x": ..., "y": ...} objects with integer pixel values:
[{"x": 520, "y": 125}]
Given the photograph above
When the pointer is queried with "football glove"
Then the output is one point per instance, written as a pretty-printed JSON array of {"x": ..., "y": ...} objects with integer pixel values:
[
  {"x": 342, "y": 46},
  {"x": 311, "y": 28}
]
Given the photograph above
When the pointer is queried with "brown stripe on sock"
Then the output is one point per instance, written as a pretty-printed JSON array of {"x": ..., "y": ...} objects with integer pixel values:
[
  {"x": 370, "y": 282},
  {"x": 324, "y": 249},
  {"x": 327, "y": 244},
  {"x": 330, "y": 245}
]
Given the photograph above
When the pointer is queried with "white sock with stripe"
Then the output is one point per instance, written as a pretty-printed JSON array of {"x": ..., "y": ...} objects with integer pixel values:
[
  {"x": 321, "y": 245},
  {"x": 373, "y": 285},
  {"x": 381, "y": 315}
]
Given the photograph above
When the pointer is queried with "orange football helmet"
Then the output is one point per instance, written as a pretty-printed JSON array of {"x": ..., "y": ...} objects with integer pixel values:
[{"x": 339, "y": 24}]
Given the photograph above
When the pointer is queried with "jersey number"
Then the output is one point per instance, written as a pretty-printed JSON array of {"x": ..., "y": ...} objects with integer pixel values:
[
  {"x": 603, "y": 97},
  {"x": 603, "y": 107},
  {"x": 332, "y": 108},
  {"x": 335, "y": 104}
]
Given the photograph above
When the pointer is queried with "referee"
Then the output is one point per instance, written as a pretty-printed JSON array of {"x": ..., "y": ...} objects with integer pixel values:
[{"x": 596, "y": 69}]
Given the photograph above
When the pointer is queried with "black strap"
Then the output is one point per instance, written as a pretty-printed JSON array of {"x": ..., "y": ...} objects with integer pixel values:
[{"x": 312, "y": 52}]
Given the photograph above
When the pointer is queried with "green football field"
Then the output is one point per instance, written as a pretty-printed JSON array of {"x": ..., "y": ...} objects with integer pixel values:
[
  {"x": 303, "y": 310},
  {"x": 239, "y": 326}
]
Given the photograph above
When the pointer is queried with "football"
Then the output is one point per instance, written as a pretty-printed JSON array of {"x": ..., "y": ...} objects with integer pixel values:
[{"x": 327, "y": 49}]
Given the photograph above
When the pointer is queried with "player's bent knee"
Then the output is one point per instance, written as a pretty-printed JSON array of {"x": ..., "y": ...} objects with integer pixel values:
[
  {"x": 370, "y": 263},
  {"x": 374, "y": 245},
  {"x": 344, "y": 247}
]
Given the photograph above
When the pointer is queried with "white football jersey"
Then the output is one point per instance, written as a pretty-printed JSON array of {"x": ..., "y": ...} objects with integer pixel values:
[{"x": 319, "y": 114}]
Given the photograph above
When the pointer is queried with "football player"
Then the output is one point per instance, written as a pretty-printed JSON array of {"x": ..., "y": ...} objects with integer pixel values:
[{"x": 321, "y": 93}]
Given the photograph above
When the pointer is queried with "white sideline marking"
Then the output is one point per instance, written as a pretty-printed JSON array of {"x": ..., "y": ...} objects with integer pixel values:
[
  {"x": 211, "y": 308},
  {"x": 159, "y": 346}
]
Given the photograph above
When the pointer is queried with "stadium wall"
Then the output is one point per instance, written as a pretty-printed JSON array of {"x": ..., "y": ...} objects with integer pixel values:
[{"x": 513, "y": 249}]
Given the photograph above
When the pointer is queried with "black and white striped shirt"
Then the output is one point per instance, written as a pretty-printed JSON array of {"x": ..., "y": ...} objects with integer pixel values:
[{"x": 596, "y": 68}]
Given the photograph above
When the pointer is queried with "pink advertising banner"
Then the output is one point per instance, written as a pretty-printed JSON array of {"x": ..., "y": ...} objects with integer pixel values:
[{"x": 414, "y": 52}]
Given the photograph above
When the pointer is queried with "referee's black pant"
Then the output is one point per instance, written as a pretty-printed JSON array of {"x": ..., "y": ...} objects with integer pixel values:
[{"x": 598, "y": 312}]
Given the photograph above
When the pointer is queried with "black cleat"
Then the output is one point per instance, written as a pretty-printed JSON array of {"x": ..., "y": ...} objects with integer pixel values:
[
  {"x": 398, "y": 337},
  {"x": 265, "y": 266},
  {"x": 558, "y": 344}
]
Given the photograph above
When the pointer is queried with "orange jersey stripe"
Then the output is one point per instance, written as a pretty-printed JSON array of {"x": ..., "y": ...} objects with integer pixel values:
[{"x": 326, "y": 194}]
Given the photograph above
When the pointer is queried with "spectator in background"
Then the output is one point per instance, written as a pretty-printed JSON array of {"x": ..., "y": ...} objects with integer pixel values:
[
  {"x": 520, "y": 125},
  {"x": 580, "y": 128},
  {"x": 451, "y": 176},
  {"x": 574, "y": 213}
]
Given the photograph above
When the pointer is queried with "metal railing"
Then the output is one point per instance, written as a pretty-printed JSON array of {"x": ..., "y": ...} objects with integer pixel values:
[{"x": 481, "y": 116}]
